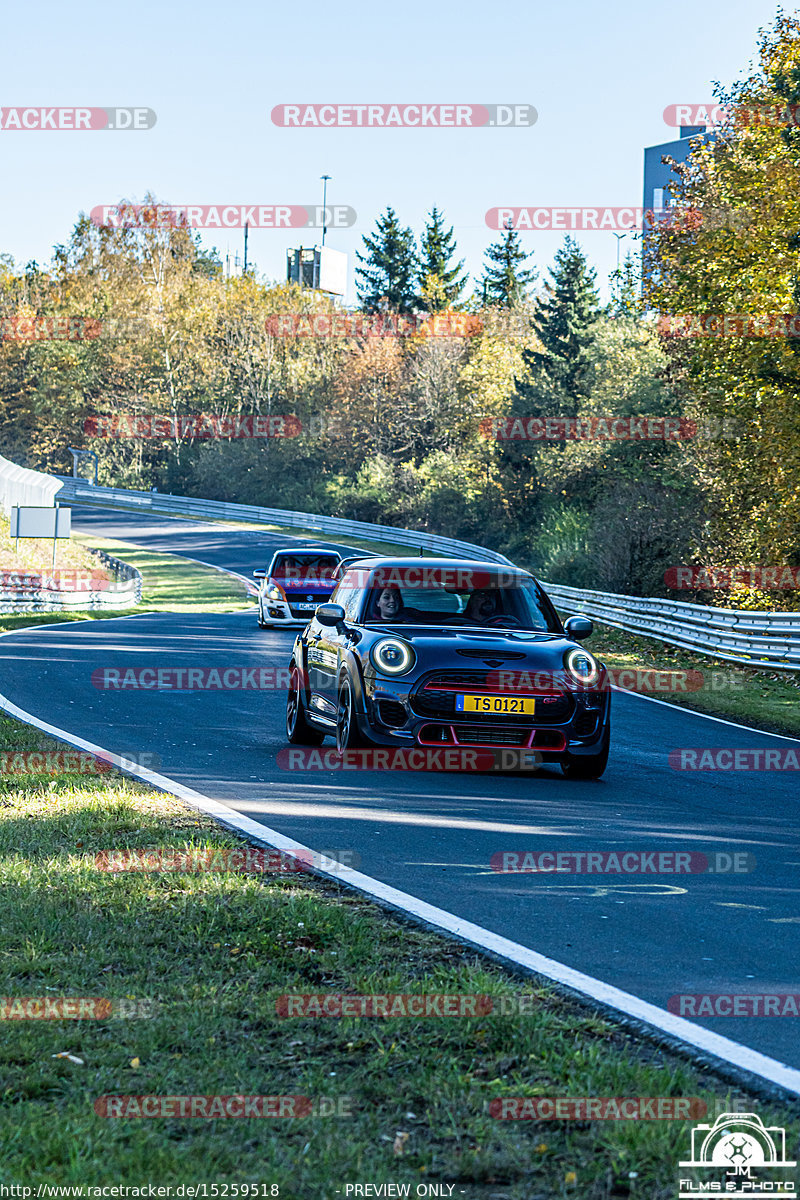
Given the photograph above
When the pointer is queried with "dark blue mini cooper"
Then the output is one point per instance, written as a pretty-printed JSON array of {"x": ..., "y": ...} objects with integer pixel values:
[{"x": 446, "y": 653}]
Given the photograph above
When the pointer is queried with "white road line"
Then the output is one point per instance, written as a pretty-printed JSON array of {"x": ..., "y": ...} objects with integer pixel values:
[
  {"x": 697, "y": 712},
  {"x": 743, "y": 1058}
]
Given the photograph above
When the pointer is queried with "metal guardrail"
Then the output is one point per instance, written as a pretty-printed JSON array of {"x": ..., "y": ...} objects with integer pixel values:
[
  {"x": 41, "y": 593},
  {"x": 79, "y": 490},
  {"x": 752, "y": 639}
]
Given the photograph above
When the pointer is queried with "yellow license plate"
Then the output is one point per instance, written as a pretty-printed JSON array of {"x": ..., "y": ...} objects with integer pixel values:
[{"x": 519, "y": 705}]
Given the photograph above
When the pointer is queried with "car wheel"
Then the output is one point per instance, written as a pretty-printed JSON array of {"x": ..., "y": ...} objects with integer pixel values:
[
  {"x": 588, "y": 766},
  {"x": 262, "y": 624},
  {"x": 298, "y": 730},
  {"x": 348, "y": 736}
]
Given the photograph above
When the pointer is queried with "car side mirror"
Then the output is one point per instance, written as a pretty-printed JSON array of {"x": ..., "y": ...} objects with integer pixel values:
[
  {"x": 331, "y": 615},
  {"x": 259, "y": 574},
  {"x": 578, "y": 628}
]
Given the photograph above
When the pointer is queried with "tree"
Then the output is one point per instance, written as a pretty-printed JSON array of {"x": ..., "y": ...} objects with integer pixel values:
[
  {"x": 389, "y": 275},
  {"x": 564, "y": 320},
  {"x": 626, "y": 288},
  {"x": 442, "y": 282},
  {"x": 505, "y": 280},
  {"x": 732, "y": 249}
]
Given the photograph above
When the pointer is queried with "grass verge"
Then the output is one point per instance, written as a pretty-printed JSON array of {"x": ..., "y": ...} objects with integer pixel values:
[{"x": 212, "y": 951}]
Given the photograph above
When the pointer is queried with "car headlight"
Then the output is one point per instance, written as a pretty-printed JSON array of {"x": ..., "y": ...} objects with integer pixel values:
[
  {"x": 392, "y": 656},
  {"x": 276, "y": 593},
  {"x": 582, "y": 667}
]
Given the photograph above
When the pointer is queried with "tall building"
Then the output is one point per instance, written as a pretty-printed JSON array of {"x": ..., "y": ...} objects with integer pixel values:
[{"x": 657, "y": 174}]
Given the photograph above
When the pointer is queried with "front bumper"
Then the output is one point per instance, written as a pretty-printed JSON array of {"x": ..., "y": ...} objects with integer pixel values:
[{"x": 389, "y": 716}]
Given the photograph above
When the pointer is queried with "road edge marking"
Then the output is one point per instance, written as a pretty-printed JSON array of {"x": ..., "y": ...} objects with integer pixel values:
[{"x": 677, "y": 1031}]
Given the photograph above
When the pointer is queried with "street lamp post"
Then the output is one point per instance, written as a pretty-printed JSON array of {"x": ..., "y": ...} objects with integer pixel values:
[{"x": 325, "y": 179}]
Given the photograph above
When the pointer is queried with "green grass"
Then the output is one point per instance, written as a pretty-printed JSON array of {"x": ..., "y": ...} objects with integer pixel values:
[
  {"x": 213, "y": 951},
  {"x": 763, "y": 699},
  {"x": 171, "y": 583}
]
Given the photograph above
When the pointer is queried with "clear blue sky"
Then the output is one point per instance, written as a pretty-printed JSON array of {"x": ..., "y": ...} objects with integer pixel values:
[{"x": 600, "y": 76}]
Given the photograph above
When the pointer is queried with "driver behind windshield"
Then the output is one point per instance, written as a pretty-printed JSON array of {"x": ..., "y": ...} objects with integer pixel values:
[
  {"x": 482, "y": 607},
  {"x": 389, "y": 605}
]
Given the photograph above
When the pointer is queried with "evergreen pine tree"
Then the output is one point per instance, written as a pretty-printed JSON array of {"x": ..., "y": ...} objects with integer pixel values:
[
  {"x": 441, "y": 282},
  {"x": 564, "y": 320},
  {"x": 506, "y": 280},
  {"x": 389, "y": 273}
]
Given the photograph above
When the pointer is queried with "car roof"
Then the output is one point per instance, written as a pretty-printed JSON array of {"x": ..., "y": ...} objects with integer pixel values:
[{"x": 315, "y": 550}]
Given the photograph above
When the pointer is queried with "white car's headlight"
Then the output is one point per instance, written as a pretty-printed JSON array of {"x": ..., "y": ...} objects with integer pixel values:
[
  {"x": 393, "y": 656},
  {"x": 276, "y": 593},
  {"x": 582, "y": 667}
]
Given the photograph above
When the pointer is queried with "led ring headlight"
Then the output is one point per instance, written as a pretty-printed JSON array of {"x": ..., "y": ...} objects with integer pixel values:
[
  {"x": 393, "y": 656},
  {"x": 582, "y": 667}
]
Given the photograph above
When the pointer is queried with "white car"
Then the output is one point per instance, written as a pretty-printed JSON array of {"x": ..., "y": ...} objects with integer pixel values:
[{"x": 293, "y": 584}]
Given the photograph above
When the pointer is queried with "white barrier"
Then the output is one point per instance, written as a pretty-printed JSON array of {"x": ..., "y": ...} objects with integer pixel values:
[{"x": 19, "y": 485}]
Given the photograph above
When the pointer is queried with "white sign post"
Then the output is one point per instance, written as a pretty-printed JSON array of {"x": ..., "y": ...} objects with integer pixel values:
[{"x": 29, "y": 522}]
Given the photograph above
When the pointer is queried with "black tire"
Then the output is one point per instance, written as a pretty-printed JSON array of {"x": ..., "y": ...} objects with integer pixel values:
[
  {"x": 348, "y": 735},
  {"x": 262, "y": 624},
  {"x": 589, "y": 766},
  {"x": 298, "y": 730}
]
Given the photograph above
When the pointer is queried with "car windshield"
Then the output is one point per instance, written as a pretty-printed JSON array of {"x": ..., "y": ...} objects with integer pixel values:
[
  {"x": 518, "y": 606},
  {"x": 305, "y": 569}
]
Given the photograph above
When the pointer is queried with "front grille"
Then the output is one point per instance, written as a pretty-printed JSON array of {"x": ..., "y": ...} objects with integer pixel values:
[
  {"x": 436, "y": 697},
  {"x": 485, "y": 735},
  {"x": 477, "y": 735},
  {"x": 391, "y": 713},
  {"x": 307, "y": 613}
]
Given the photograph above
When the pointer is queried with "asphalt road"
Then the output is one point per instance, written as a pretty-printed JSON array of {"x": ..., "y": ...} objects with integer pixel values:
[{"x": 433, "y": 834}]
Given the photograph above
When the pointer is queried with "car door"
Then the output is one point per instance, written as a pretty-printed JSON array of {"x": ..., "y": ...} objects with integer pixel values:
[{"x": 325, "y": 647}]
